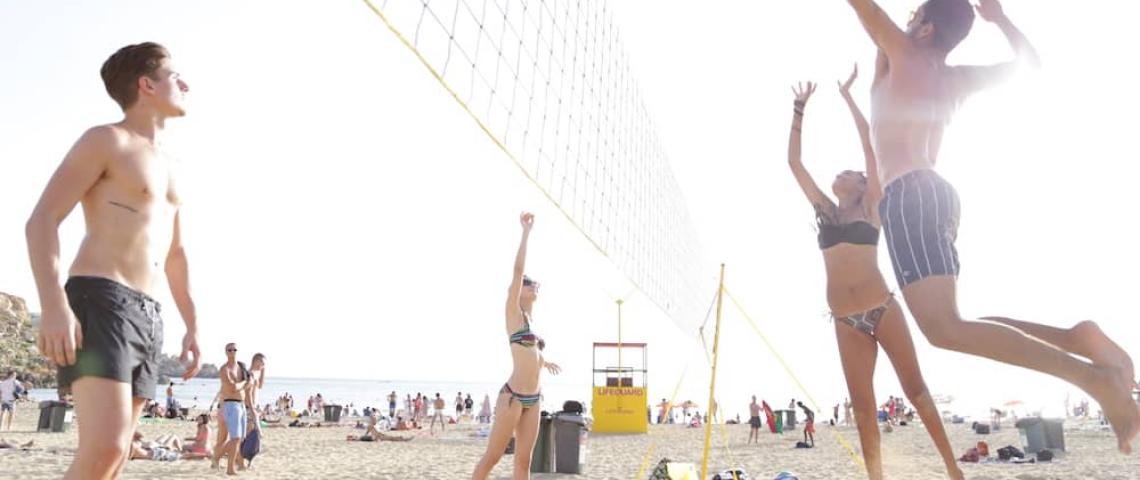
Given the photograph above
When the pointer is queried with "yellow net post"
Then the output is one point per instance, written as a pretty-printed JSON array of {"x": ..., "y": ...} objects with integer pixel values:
[
  {"x": 619, "y": 302},
  {"x": 712, "y": 381}
]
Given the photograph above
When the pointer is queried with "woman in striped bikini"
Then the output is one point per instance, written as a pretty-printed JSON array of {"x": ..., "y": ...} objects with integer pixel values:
[
  {"x": 517, "y": 410},
  {"x": 865, "y": 312}
]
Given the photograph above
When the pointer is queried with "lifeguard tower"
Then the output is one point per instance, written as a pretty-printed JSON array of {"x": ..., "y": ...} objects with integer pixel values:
[{"x": 621, "y": 399}]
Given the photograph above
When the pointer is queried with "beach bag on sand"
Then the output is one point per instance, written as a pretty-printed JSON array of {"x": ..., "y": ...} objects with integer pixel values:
[
  {"x": 572, "y": 406},
  {"x": 1009, "y": 452},
  {"x": 803, "y": 445}
]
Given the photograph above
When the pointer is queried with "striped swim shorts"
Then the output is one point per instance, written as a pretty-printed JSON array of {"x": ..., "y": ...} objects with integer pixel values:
[{"x": 920, "y": 212}]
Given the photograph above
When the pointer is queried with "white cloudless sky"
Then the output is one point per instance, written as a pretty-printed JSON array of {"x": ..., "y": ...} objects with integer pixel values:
[{"x": 348, "y": 219}]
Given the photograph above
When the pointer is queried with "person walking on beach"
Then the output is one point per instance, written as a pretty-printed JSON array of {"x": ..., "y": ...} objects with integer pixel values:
[
  {"x": 232, "y": 418},
  {"x": 458, "y": 406},
  {"x": 392, "y": 404},
  {"x": 8, "y": 388},
  {"x": 914, "y": 97},
  {"x": 864, "y": 312},
  {"x": 809, "y": 424},
  {"x": 754, "y": 421},
  {"x": 517, "y": 408},
  {"x": 438, "y": 405},
  {"x": 255, "y": 384},
  {"x": 102, "y": 329},
  {"x": 469, "y": 405}
]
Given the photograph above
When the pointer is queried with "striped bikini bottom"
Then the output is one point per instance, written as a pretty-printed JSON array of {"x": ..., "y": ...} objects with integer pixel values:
[{"x": 526, "y": 401}]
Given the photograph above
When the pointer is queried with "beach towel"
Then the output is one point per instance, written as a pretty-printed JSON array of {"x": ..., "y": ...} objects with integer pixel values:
[
  {"x": 669, "y": 470},
  {"x": 734, "y": 474}
]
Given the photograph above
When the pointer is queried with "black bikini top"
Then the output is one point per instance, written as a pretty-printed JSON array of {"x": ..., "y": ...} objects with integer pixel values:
[{"x": 857, "y": 233}]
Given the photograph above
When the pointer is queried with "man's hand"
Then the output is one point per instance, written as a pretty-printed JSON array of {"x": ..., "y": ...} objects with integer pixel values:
[
  {"x": 190, "y": 347},
  {"x": 990, "y": 10},
  {"x": 59, "y": 336}
]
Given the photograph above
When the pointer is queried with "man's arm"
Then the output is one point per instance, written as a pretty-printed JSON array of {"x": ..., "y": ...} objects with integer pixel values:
[
  {"x": 882, "y": 30},
  {"x": 178, "y": 276},
  {"x": 972, "y": 78},
  {"x": 59, "y": 334}
]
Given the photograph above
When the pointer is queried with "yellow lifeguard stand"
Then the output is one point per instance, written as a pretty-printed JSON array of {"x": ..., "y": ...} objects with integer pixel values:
[{"x": 621, "y": 398}]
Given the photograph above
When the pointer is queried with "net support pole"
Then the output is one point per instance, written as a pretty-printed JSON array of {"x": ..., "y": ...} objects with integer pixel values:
[
  {"x": 619, "y": 302},
  {"x": 712, "y": 380}
]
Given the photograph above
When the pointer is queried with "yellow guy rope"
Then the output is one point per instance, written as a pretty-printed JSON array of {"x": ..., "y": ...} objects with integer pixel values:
[{"x": 842, "y": 441}]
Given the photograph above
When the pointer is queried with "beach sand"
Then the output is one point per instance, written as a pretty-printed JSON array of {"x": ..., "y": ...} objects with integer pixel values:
[{"x": 319, "y": 453}]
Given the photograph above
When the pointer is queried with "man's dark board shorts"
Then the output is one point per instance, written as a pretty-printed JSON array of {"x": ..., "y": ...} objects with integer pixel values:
[{"x": 122, "y": 334}]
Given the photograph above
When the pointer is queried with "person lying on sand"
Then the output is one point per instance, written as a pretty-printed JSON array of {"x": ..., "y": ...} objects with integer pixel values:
[
  {"x": 379, "y": 437},
  {"x": 5, "y": 444},
  {"x": 167, "y": 448}
]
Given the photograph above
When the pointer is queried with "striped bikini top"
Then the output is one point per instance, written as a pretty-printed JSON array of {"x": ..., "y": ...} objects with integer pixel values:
[{"x": 527, "y": 338}]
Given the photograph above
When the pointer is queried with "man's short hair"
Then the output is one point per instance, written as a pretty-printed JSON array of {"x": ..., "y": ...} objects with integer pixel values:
[
  {"x": 121, "y": 71},
  {"x": 952, "y": 21}
]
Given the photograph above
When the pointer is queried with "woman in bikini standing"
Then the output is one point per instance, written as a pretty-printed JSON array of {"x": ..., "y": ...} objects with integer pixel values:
[
  {"x": 865, "y": 312},
  {"x": 517, "y": 410}
]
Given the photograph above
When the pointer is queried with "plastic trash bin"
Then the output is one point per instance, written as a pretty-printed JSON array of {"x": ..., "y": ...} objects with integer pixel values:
[
  {"x": 569, "y": 443},
  {"x": 1039, "y": 434},
  {"x": 542, "y": 460},
  {"x": 54, "y": 417},
  {"x": 790, "y": 423},
  {"x": 779, "y": 423},
  {"x": 332, "y": 413}
]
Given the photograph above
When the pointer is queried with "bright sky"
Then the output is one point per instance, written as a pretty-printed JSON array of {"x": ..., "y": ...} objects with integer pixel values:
[{"x": 349, "y": 220}]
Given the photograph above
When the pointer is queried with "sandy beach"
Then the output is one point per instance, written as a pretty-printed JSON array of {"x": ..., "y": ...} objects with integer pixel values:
[{"x": 308, "y": 453}]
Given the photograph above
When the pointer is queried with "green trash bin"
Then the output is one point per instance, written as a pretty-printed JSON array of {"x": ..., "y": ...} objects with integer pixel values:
[
  {"x": 542, "y": 460},
  {"x": 569, "y": 443},
  {"x": 779, "y": 422},
  {"x": 332, "y": 413}
]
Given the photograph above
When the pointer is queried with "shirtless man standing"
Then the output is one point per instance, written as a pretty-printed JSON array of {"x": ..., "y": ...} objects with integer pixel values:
[
  {"x": 754, "y": 421},
  {"x": 103, "y": 329},
  {"x": 913, "y": 99},
  {"x": 232, "y": 416}
]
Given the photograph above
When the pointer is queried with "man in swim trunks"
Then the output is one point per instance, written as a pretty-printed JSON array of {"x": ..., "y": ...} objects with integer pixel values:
[
  {"x": 754, "y": 421},
  {"x": 438, "y": 405},
  {"x": 103, "y": 329},
  {"x": 913, "y": 98},
  {"x": 232, "y": 417},
  {"x": 8, "y": 388}
]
